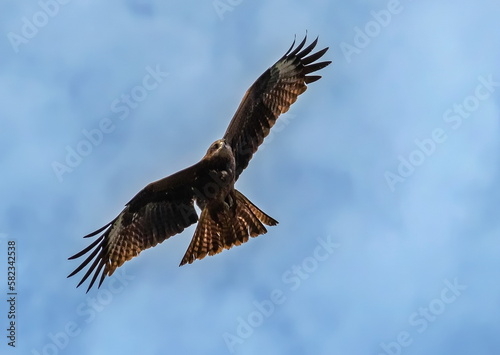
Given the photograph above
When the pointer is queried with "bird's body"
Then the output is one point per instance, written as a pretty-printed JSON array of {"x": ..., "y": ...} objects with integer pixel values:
[{"x": 166, "y": 207}]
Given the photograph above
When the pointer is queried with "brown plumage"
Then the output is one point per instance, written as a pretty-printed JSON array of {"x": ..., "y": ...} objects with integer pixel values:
[{"x": 166, "y": 207}]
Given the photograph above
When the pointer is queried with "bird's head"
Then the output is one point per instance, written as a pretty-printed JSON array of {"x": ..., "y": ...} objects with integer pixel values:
[
  {"x": 219, "y": 148},
  {"x": 220, "y": 153}
]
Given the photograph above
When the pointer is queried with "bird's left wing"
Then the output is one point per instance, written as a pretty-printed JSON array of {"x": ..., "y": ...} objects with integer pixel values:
[
  {"x": 159, "y": 211},
  {"x": 271, "y": 95}
]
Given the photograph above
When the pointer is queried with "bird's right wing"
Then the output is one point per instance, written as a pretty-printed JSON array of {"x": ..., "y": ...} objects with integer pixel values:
[
  {"x": 159, "y": 211},
  {"x": 269, "y": 96}
]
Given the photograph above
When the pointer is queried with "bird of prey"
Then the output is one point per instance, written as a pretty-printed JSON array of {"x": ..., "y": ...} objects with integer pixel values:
[{"x": 166, "y": 207}]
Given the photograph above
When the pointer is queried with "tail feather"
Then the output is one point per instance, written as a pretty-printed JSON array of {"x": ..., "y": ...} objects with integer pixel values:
[
  {"x": 233, "y": 227},
  {"x": 264, "y": 218},
  {"x": 253, "y": 225},
  {"x": 206, "y": 238}
]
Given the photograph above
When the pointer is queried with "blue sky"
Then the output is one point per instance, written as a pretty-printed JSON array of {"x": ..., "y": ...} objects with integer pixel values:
[{"x": 383, "y": 176}]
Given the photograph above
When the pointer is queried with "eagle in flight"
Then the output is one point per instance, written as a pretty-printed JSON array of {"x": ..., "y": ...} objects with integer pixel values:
[{"x": 166, "y": 207}]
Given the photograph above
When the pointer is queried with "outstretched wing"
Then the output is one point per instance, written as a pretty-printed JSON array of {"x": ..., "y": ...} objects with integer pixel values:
[
  {"x": 271, "y": 95},
  {"x": 159, "y": 211}
]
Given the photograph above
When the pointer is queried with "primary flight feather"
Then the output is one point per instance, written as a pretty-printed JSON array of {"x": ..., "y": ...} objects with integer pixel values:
[{"x": 166, "y": 207}]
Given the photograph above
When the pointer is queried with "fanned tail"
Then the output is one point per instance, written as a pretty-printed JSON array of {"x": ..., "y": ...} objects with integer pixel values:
[{"x": 234, "y": 226}]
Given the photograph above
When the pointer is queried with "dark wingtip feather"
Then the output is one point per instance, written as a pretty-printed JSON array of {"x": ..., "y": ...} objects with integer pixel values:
[
  {"x": 299, "y": 47},
  {"x": 315, "y": 67},
  {"x": 289, "y": 49},
  {"x": 87, "y": 249},
  {"x": 98, "y": 245},
  {"x": 312, "y": 78},
  {"x": 97, "y": 271},
  {"x": 90, "y": 270},
  {"x": 103, "y": 276},
  {"x": 308, "y": 49},
  {"x": 99, "y": 230},
  {"x": 314, "y": 57}
]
